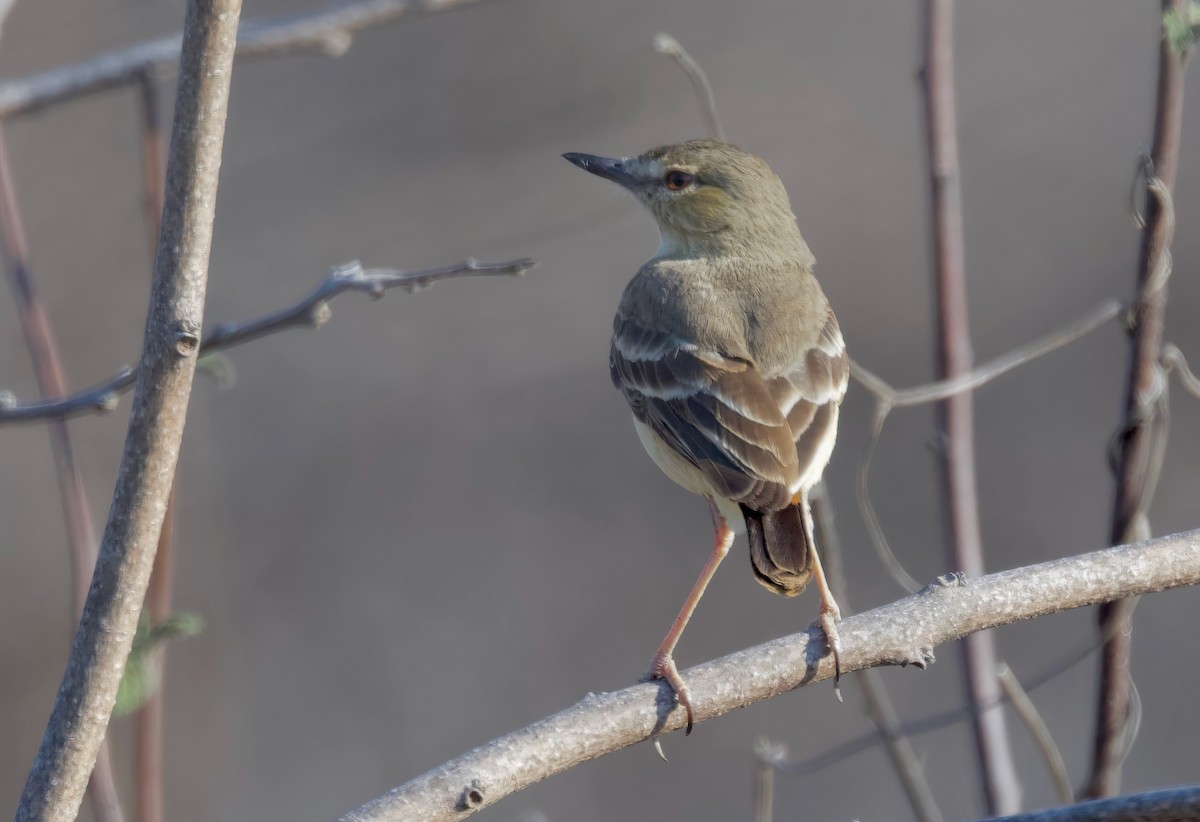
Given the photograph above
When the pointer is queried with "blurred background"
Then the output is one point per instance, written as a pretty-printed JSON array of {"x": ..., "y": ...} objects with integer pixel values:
[{"x": 430, "y": 522}]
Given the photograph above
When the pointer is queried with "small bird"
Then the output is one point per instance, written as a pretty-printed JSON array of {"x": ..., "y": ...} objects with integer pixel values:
[{"x": 732, "y": 362}]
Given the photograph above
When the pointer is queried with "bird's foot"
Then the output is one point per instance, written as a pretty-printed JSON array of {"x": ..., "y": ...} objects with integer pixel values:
[
  {"x": 663, "y": 667},
  {"x": 828, "y": 618}
]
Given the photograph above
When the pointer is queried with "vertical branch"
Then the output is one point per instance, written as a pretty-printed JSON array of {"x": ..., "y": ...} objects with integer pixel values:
[
  {"x": 1143, "y": 434},
  {"x": 77, "y": 511},
  {"x": 1000, "y": 786},
  {"x": 148, "y": 721},
  {"x": 88, "y": 690}
]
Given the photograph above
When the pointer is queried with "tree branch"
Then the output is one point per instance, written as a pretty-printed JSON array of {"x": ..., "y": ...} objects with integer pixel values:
[
  {"x": 88, "y": 690},
  {"x": 904, "y": 632},
  {"x": 311, "y": 312},
  {"x": 1167, "y": 805},
  {"x": 1142, "y": 438},
  {"x": 329, "y": 32},
  {"x": 1001, "y": 789}
]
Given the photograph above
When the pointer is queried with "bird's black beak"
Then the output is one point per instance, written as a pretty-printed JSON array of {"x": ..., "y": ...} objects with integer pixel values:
[{"x": 609, "y": 168}]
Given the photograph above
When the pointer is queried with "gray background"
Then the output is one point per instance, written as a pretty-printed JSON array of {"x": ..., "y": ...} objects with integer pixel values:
[{"x": 430, "y": 522}]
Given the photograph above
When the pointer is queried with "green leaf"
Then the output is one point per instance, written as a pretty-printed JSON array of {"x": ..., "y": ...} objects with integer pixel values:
[
  {"x": 142, "y": 676},
  {"x": 1180, "y": 30},
  {"x": 219, "y": 368}
]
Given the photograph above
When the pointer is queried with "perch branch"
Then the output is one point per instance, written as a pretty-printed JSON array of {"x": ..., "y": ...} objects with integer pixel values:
[
  {"x": 1001, "y": 789},
  {"x": 328, "y": 32},
  {"x": 904, "y": 632},
  {"x": 311, "y": 312},
  {"x": 1142, "y": 439},
  {"x": 1167, "y": 805},
  {"x": 77, "y": 510},
  {"x": 84, "y": 704}
]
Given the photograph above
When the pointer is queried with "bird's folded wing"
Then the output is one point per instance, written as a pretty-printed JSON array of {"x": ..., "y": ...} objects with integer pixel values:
[{"x": 713, "y": 409}]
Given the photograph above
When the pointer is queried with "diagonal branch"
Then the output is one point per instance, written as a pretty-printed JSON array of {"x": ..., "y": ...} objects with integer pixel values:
[
  {"x": 904, "y": 632},
  {"x": 82, "y": 709},
  {"x": 311, "y": 312},
  {"x": 329, "y": 32},
  {"x": 1142, "y": 439}
]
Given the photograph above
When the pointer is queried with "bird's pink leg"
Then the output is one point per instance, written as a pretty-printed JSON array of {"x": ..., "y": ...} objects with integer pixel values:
[{"x": 663, "y": 666}]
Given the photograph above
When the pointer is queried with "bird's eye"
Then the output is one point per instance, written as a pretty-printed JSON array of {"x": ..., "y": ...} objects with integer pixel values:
[{"x": 677, "y": 180}]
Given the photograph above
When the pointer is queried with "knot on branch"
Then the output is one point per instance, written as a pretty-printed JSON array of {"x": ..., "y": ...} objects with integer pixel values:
[
  {"x": 472, "y": 797},
  {"x": 187, "y": 341}
]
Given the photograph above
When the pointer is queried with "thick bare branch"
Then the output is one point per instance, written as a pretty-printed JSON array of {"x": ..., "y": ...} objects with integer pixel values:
[
  {"x": 329, "y": 31},
  {"x": 1142, "y": 439},
  {"x": 88, "y": 690},
  {"x": 1168, "y": 805},
  {"x": 310, "y": 312},
  {"x": 904, "y": 632}
]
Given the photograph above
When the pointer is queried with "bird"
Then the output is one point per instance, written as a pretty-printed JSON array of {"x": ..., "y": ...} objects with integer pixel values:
[{"x": 733, "y": 364}]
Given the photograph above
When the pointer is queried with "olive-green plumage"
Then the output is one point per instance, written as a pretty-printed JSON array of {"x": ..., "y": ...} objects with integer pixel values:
[{"x": 729, "y": 356}]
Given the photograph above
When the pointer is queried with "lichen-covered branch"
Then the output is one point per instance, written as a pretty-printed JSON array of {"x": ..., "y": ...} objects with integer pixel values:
[{"x": 904, "y": 632}]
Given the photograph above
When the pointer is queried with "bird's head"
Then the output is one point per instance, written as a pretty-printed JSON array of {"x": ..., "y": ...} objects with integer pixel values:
[{"x": 708, "y": 197}]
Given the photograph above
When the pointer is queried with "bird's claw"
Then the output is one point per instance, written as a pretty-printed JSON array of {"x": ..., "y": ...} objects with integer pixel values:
[
  {"x": 663, "y": 667},
  {"x": 828, "y": 619}
]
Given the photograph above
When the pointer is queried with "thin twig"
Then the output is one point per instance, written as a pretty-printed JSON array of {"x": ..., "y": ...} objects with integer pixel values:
[
  {"x": 1142, "y": 441},
  {"x": 148, "y": 721},
  {"x": 880, "y": 708},
  {"x": 328, "y": 32},
  {"x": 1036, "y": 725},
  {"x": 88, "y": 690},
  {"x": 311, "y": 312},
  {"x": 1001, "y": 789},
  {"x": 904, "y": 632},
  {"x": 1168, "y": 805},
  {"x": 888, "y": 398},
  {"x": 77, "y": 509},
  {"x": 668, "y": 45}
]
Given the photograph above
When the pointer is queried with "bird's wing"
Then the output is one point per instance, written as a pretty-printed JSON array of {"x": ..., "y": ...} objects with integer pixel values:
[
  {"x": 715, "y": 410},
  {"x": 809, "y": 394}
]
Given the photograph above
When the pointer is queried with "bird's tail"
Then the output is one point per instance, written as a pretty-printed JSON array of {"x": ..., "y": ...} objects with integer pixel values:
[{"x": 780, "y": 552}]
